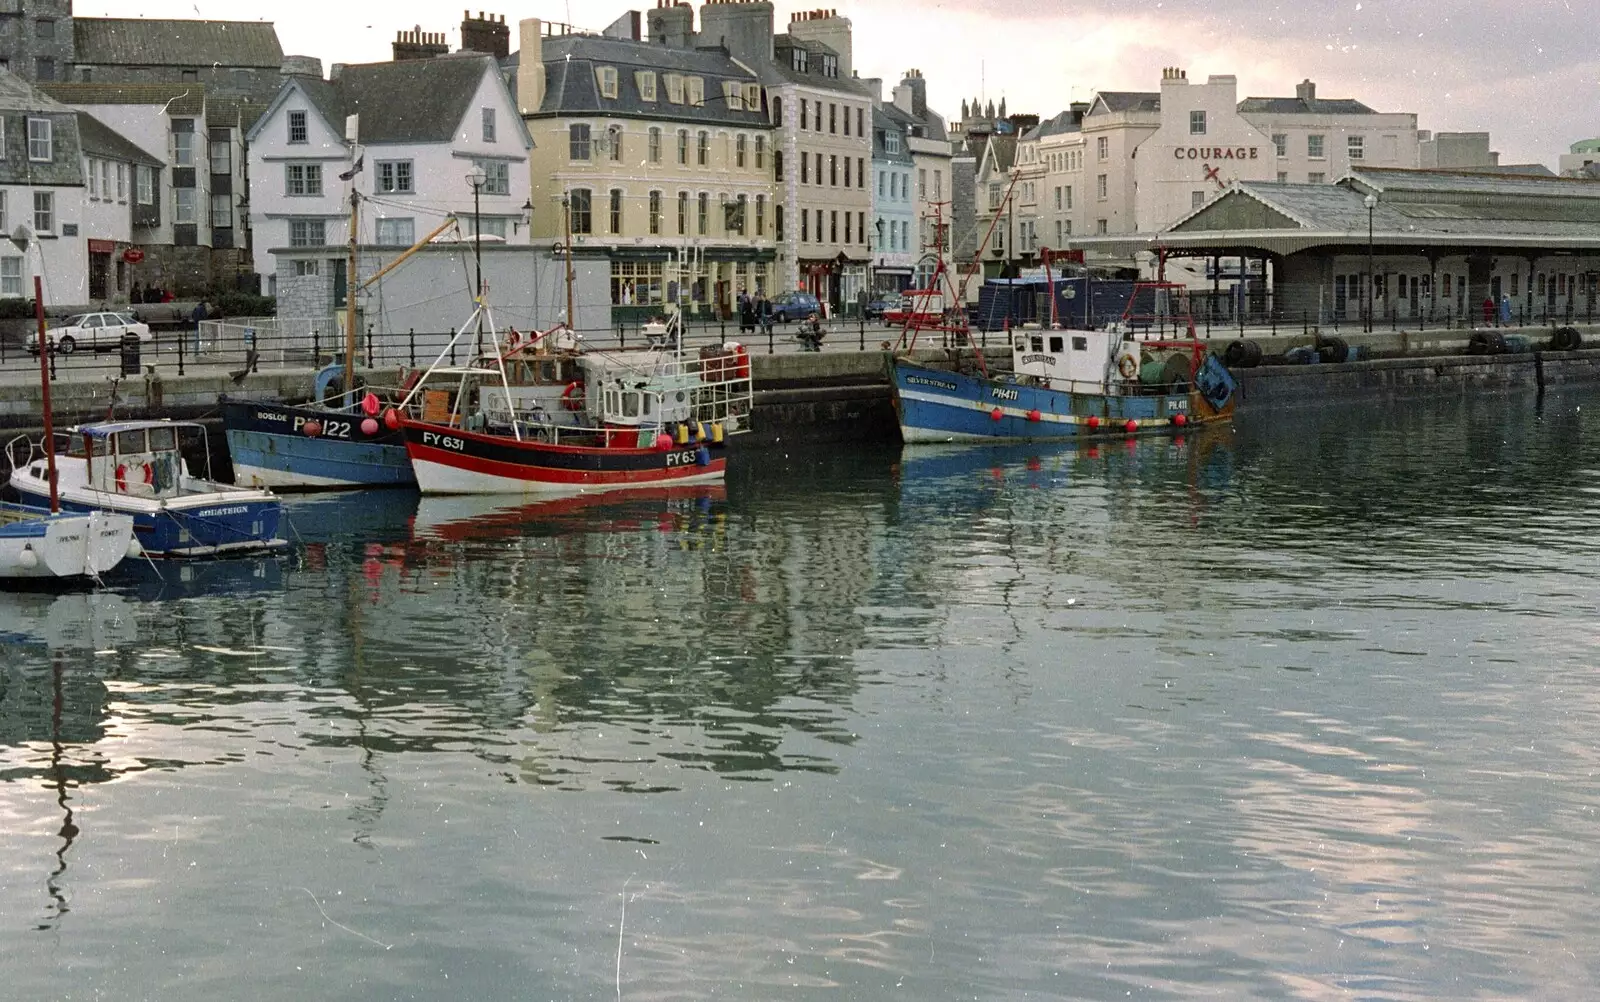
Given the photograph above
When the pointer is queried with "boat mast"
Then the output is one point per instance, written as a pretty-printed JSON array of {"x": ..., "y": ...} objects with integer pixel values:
[
  {"x": 350, "y": 305},
  {"x": 566, "y": 216},
  {"x": 44, "y": 389},
  {"x": 1050, "y": 285}
]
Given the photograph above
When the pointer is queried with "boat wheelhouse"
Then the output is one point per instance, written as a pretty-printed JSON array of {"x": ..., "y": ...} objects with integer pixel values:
[
  {"x": 137, "y": 468},
  {"x": 545, "y": 417}
]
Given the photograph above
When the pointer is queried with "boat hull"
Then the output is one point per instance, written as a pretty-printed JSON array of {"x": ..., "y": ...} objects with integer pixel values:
[
  {"x": 934, "y": 405},
  {"x": 41, "y": 546},
  {"x": 198, "y": 525},
  {"x": 451, "y": 461},
  {"x": 268, "y": 448}
]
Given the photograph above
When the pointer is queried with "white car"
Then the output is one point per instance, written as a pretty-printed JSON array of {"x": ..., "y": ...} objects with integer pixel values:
[{"x": 90, "y": 330}]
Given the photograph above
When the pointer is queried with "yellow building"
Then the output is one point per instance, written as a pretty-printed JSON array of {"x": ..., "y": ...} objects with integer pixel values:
[{"x": 661, "y": 161}]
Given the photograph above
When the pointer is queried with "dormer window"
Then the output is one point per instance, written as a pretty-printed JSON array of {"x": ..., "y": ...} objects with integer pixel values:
[
  {"x": 646, "y": 79},
  {"x": 800, "y": 60},
  {"x": 752, "y": 97},
  {"x": 733, "y": 94},
  {"x": 697, "y": 92},
  {"x": 674, "y": 88},
  {"x": 606, "y": 78},
  {"x": 830, "y": 65},
  {"x": 891, "y": 142}
]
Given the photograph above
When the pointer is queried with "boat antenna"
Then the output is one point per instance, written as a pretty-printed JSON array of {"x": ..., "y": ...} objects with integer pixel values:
[
  {"x": 350, "y": 304},
  {"x": 44, "y": 390}
]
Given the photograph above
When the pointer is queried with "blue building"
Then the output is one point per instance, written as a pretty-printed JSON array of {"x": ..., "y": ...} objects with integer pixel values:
[{"x": 894, "y": 229}]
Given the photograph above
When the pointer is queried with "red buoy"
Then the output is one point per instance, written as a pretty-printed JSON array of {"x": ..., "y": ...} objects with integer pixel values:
[
  {"x": 1180, "y": 420},
  {"x": 1033, "y": 415},
  {"x": 369, "y": 426},
  {"x": 1093, "y": 422},
  {"x": 996, "y": 414},
  {"x": 663, "y": 441},
  {"x": 312, "y": 428},
  {"x": 391, "y": 419},
  {"x": 1130, "y": 426}
]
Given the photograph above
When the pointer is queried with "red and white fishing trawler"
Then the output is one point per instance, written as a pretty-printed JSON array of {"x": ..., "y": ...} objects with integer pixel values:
[{"x": 543, "y": 415}]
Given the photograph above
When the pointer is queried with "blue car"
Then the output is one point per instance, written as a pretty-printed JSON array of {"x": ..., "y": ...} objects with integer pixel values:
[{"x": 787, "y": 306}]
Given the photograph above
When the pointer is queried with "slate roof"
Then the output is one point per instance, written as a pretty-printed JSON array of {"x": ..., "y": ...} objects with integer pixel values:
[
  {"x": 17, "y": 95},
  {"x": 1129, "y": 100},
  {"x": 1299, "y": 106},
  {"x": 882, "y": 121},
  {"x": 1420, "y": 206},
  {"x": 411, "y": 101},
  {"x": 571, "y": 87},
  {"x": 116, "y": 41},
  {"x": 177, "y": 98},
  {"x": 1005, "y": 151},
  {"x": 780, "y": 70},
  {"x": 235, "y": 110},
  {"x": 99, "y": 139},
  {"x": 1060, "y": 125}
]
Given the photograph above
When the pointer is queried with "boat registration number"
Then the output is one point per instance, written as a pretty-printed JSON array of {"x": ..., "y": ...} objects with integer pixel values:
[
  {"x": 450, "y": 442},
  {"x": 681, "y": 458},
  {"x": 330, "y": 429}
]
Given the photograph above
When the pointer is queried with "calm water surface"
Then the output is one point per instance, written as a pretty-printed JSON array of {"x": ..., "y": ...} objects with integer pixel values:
[{"x": 1304, "y": 710}]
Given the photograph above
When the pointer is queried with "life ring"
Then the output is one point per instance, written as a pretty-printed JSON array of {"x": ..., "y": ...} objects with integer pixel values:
[
  {"x": 572, "y": 396},
  {"x": 1128, "y": 366},
  {"x": 141, "y": 474}
]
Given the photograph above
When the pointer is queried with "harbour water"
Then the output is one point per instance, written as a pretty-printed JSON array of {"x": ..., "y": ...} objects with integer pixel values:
[{"x": 1306, "y": 709}]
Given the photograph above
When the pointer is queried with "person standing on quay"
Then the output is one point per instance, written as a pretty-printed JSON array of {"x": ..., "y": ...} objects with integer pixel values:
[{"x": 1488, "y": 311}]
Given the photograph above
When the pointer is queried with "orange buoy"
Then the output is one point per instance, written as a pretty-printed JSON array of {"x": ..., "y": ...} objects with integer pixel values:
[
  {"x": 1130, "y": 426},
  {"x": 996, "y": 414},
  {"x": 1093, "y": 422},
  {"x": 1033, "y": 415}
]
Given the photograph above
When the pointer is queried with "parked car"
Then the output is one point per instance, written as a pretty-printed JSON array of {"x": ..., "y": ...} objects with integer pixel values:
[
  {"x": 95, "y": 331},
  {"x": 883, "y": 304},
  {"x": 787, "y": 306}
]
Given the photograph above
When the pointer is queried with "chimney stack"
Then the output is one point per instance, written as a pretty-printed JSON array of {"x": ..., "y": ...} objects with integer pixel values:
[
  {"x": 486, "y": 33},
  {"x": 671, "y": 23},
  {"x": 1306, "y": 91},
  {"x": 419, "y": 44},
  {"x": 530, "y": 65},
  {"x": 743, "y": 27},
  {"x": 827, "y": 28}
]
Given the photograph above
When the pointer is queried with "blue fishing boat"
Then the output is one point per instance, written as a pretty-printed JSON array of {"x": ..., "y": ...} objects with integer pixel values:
[
  {"x": 332, "y": 443},
  {"x": 1072, "y": 383},
  {"x": 136, "y": 468}
]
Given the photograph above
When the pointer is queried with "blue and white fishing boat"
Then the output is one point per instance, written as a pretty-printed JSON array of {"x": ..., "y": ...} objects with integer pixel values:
[
  {"x": 136, "y": 468},
  {"x": 1069, "y": 384},
  {"x": 36, "y": 545},
  {"x": 333, "y": 442}
]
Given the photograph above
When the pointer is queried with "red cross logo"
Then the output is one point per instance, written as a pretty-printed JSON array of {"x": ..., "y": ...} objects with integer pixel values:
[{"x": 1213, "y": 174}]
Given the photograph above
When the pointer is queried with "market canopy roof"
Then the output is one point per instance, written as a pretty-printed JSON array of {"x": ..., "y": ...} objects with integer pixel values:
[{"x": 1415, "y": 208}]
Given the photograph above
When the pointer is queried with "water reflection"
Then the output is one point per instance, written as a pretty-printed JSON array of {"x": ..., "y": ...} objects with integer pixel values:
[{"x": 1303, "y": 709}]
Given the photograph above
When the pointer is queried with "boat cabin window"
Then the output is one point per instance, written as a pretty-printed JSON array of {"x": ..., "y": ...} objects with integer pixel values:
[
  {"x": 630, "y": 404},
  {"x": 1022, "y": 344},
  {"x": 163, "y": 439},
  {"x": 130, "y": 443},
  {"x": 1080, "y": 344},
  {"x": 549, "y": 372},
  {"x": 1055, "y": 344},
  {"x": 75, "y": 445},
  {"x": 1038, "y": 342}
]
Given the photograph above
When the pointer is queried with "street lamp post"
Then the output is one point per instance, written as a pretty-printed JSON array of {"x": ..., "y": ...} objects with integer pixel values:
[
  {"x": 1371, "y": 202},
  {"x": 476, "y": 177}
]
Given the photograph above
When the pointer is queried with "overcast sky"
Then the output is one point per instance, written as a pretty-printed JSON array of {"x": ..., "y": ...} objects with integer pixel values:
[{"x": 1528, "y": 71}]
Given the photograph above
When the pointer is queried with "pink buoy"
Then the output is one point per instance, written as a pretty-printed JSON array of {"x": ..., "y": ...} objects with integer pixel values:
[
  {"x": 369, "y": 405},
  {"x": 1033, "y": 415},
  {"x": 663, "y": 441},
  {"x": 369, "y": 426},
  {"x": 996, "y": 414},
  {"x": 1180, "y": 420},
  {"x": 1093, "y": 422},
  {"x": 1130, "y": 426},
  {"x": 391, "y": 419},
  {"x": 312, "y": 428}
]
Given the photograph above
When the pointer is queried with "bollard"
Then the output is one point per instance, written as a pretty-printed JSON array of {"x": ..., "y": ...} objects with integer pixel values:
[
  {"x": 411, "y": 338},
  {"x": 1274, "y": 317}
]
